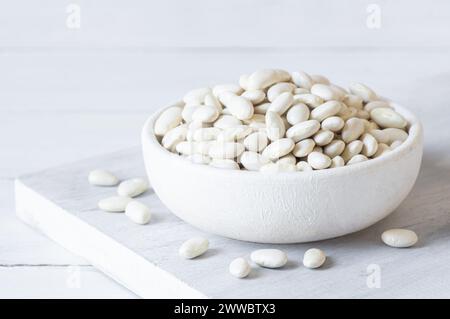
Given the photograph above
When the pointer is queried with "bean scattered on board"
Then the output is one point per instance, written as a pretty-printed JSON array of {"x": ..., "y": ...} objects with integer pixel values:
[
  {"x": 399, "y": 238},
  {"x": 132, "y": 187},
  {"x": 269, "y": 258},
  {"x": 138, "y": 212},
  {"x": 239, "y": 268},
  {"x": 314, "y": 258},
  {"x": 114, "y": 204},
  {"x": 100, "y": 177},
  {"x": 194, "y": 247}
]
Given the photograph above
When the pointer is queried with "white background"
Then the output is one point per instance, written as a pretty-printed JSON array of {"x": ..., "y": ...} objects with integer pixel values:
[{"x": 67, "y": 94}]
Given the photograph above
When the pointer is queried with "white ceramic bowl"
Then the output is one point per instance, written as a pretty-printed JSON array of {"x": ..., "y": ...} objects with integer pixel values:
[{"x": 285, "y": 207}]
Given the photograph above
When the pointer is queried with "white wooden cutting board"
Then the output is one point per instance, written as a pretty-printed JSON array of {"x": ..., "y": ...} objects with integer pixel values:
[{"x": 60, "y": 203}]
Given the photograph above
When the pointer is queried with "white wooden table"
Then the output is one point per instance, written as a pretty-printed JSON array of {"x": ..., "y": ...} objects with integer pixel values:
[{"x": 53, "y": 112}]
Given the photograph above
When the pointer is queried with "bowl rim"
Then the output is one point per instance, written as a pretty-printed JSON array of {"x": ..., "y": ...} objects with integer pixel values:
[{"x": 414, "y": 138}]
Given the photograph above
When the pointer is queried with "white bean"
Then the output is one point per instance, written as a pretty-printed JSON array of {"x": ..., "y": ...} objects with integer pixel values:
[
  {"x": 395, "y": 144},
  {"x": 352, "y": 100},
  {"x": 256, "y": 142},
  {"x": 253, "y": 161},
  {"x": 382, "y": 149},
  {"x": 234, "y": 133},
  {"x": 262, "y": 108},
  {"x": 210, "y": 99},
  {"x": 239, "y": 268},
  {"x": 174, "y": 136},
  {"x": 254, "y": 96},
  {"x": 275, "y": 127},
  {"x": 353, "y": 148},
  {"x": 314, "y": 258},
  {"x": 326, "y": 92},
  {"x": 302, "y": 79},
  {"x": 194, "y": 247},
  {"x": 318, "y": 160},
  {"x": 380, "y": 135},
  {"x": 196, "y": 96},
  {"x": 334, "y": 149},
  {"x": 399, "y": 238},
  {"x": 132, "y": 187},
  {"x": 188, "y": 111},
  {"x": 275, "y": 90},
  {"x": 282, "y": 103},
  {"x": 323, "y": 138},
  {"x": 347, "y": 112},
  {"x": 189, "y": 148},
  {"x": 303, "y": 166},
  {"x": 265, "y": 78},
  {"x": 308, "y": 99},
  {"x": 385, "y": 117},
  {"x": 376, "y": 104},
  {"x": 287, "y": 160},
  {"x": 114, "y": 204},
  {"x": 269, "y": 258},
  {"x": 370, "y": 145},
  {"x": 168, "y": 119},
  {"x": 206, "y": 114},
  {"x": 318, "y": 148},
  {"x": 326, "y": 110},
  {"x": 297, "y": 113},
  {"x": 357, "y": 159},
  {"x": 395, "y": 134},
  {"x": 225, "y": 121},
  {"x": 362, "y": 91},
  {"x": 303, "y": 148},
  {"x": 239, "y": 106},
  {"x": 317, "y": 78},
  {"x": 303, "y": 130},
  {"x": 333, "y": 124},
  {"x": 337, "y": 161},
  {"x": 100, "y": 177},
  {"x": 138, "y": 213},
  {"x": 278, "y": 148},
  {"x": 243, "y": 81},
  {"x": 221, "y": 88},
  {"x": 352, "y": 130}
]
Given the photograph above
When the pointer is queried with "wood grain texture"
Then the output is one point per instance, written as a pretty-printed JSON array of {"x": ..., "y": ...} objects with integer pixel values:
[
  {"x": 60, "y": 282},
  {"x": 231, "y": 23},
  {"x": 404, "y": 272},
  {"x": 57, "y": 106}
]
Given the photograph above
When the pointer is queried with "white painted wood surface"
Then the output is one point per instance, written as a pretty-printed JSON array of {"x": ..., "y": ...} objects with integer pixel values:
[
  {"x": 56, "y": 200},
  {"x": 71, "y": 94},
  {"x": 231, "y": 23}
]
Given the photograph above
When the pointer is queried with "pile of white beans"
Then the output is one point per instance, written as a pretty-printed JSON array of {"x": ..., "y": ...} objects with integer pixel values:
[{"x": 276, "y": 121}]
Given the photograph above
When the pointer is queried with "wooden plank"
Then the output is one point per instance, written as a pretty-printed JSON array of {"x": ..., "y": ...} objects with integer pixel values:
[
  {"x": 109, "y": 81},
  {"x": 42, "y": 281},
  {"x": 21, "y": 245},
  {"x": 61, "y": 204},
  {"x": 232, "y": 23}
]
